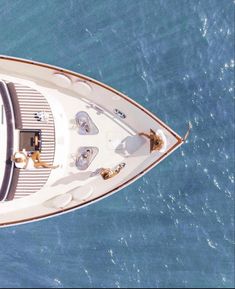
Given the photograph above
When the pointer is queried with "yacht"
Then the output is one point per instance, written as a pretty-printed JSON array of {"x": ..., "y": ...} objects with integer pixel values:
[{"x": 68, "y": 141}]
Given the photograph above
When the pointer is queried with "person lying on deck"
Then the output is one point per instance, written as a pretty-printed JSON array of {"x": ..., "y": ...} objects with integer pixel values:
[
  {"x": 156, "y": 142},
  {"x": 24, "y": 161},
  {"x": 108, "y": 173}
]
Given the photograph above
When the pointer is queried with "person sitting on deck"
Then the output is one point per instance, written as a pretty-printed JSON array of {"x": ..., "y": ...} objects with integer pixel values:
[
  {"x": 156, "y": 141},
  {"x": 24, "y": 161}
]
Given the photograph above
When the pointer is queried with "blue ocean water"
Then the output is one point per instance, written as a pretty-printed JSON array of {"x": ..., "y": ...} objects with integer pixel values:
[{"x": 175, "y": 226}]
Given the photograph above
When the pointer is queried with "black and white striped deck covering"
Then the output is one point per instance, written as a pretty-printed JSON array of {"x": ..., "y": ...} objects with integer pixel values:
[{"x": 32, "y": 101}]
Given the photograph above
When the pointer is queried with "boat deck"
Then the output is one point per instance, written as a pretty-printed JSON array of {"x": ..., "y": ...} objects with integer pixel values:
[
  {"x": 40, "y": 194},
  {"x": 27, "y": 100}
]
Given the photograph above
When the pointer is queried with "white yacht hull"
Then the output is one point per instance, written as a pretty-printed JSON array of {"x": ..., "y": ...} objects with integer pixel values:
[{"x": 116, "y": 120}]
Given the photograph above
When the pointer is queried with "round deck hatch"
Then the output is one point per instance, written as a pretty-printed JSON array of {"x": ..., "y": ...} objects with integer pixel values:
[
  {"x": 61, "y": 80},
  {"x": 82, "y": 87}
]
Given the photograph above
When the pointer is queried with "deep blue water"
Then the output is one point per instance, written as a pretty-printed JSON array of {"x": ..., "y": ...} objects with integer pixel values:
[{"x": 175, "y": 226}]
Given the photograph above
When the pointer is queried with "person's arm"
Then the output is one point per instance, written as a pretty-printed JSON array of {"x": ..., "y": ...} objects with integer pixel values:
[
  {"x": 144, "y": 134},
  {"x": 26, "y": 162}
]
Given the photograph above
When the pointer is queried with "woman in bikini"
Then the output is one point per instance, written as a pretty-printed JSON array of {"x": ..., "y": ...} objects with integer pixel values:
[
  {"x": 156, "y": 142},
  {"x": 108, "y": 173},
  {"x": 24, "y": 161}
]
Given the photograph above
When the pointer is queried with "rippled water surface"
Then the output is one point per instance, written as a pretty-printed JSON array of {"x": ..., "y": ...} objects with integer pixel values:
[{"x": 175, "y": 226}]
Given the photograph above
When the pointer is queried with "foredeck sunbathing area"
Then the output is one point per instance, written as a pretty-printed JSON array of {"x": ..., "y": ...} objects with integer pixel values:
[
  {"x": 21, "y": 103},
  {"x": 93, "y": 139},
  {"x": 88, "y": 139}
]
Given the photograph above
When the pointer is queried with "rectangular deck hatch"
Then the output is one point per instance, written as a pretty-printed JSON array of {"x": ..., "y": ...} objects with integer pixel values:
[{"x": 30, "y": 140}]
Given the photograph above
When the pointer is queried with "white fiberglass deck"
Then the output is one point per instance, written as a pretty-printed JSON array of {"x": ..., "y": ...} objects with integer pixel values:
[
  {"x": 68, "y": 141},
  {"x": 118, "y": 120}
]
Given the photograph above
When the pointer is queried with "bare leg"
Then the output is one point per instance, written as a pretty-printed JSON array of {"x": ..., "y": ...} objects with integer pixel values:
[
  {"x": 38, "y": 164},
  {"x": 44, "y": 165}
]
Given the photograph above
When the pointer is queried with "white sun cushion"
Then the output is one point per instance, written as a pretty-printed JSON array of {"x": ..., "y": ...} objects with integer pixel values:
[{"x": 22, "y": 156}]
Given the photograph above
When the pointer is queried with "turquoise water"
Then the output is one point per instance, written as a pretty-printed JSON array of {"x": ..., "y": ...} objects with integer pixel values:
[{"x": 175, "y": 226}]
